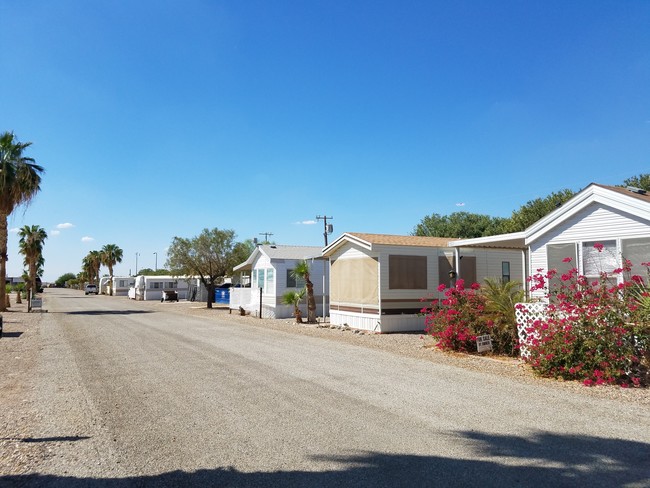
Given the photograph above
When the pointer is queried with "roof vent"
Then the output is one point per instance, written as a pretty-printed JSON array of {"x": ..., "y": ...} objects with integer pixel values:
[{"x": 634, "y": 189}]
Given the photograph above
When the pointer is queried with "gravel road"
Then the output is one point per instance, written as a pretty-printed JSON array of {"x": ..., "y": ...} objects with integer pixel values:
[{"x": 104, "y": 391}]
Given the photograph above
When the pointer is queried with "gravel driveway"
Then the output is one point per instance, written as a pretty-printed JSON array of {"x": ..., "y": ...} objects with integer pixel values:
[{"x": 104, "y": 391}]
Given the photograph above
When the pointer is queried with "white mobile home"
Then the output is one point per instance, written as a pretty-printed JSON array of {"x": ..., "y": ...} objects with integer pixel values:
[
  {"x": 614, "y": 217},
  {"x": 270, "y": 270},
  {"x": 152, "y": 287},
  {"x": 122, "y": 284},
  {"x": 381, "y": 282}
]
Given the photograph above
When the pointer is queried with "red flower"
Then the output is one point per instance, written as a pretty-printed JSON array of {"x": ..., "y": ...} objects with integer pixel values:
[{"x": 598, "y": 246}]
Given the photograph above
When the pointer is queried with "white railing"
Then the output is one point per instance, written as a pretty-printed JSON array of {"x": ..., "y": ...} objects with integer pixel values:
[
  {"x": 527, "y": 314},
  {"x": 240, "y": 297}
]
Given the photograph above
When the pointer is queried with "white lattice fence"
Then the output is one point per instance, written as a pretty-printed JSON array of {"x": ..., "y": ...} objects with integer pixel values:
[{"x": 527, "y": 314}]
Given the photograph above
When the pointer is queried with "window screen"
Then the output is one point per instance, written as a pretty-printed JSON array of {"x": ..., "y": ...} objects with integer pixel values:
[
  {"x": 407, "y": 272},
  {"x": 556, "y": 255},
  {"x": 637, "y": 251},
  {"x": 597, "y": 260},
  {"x": 355, "y": 281}
]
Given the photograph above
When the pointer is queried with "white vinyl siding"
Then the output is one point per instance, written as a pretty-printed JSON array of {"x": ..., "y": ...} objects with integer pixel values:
[
  {"x": 489, "y": 263},
  {"x": 595, "y": 223}
]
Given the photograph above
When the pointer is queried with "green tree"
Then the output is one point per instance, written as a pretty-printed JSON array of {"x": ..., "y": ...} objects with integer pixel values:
[
  {"x": 302, "y": 270},
  {"x": 110, "y": 255},
  {"x": 151, "y": 272},
  {"x": 32, "y": 239},
  {"x": 294, "y": 298},
  {"x": 462, "y": 225},
  {"x": 64, "y": 278},
  {"x": 20, "y": 180},
  {"x": 641, "y": 181},
  {"x": 211, "y": 256},
  {"x": 91, "y": 264},
  {"x": 243, "y": 250},
  {"x": 534, "y": 210}
]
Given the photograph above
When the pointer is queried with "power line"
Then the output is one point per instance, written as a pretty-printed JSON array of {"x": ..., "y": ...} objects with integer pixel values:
[{"x": 266, "y": 235}]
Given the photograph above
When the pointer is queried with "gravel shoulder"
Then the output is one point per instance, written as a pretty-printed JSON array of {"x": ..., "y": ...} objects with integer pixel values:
[{"x": 19, "y": 414}]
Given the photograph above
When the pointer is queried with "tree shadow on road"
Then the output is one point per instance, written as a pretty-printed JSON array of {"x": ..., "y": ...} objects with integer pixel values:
[
  {"x": 11, "y": 334},
  {"x": 106, "y": 312},
  {"x": 543, "y": 459},
  {"x": 62, "y": 438}
]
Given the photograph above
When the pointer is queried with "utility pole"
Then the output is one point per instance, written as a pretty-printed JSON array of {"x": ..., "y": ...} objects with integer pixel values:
[
  {"x": 328, "y": 228},
  {"x": 266, "y": 236}
]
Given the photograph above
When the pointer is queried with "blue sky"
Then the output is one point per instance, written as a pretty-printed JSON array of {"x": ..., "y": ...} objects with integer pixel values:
[{"x": 156, "y": 119}]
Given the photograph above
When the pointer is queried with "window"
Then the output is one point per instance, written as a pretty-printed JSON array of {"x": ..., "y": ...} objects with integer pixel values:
[
  {"x": 637, "y": 251},
  {"x": 407, "y": 272},
  {"x": 294, "y": 281},
  {"x": 505, "y": 271},
  {"x": 156, "y": 284},
  {"x": 260, "y": 278},
  {"x": 562, "y": 258},
  {"x": 597, "y": 260},
  {"x": 270, "y": 285}
]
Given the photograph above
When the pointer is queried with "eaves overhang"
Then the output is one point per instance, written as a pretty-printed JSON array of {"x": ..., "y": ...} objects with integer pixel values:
[{"x": 515, "y": 240}]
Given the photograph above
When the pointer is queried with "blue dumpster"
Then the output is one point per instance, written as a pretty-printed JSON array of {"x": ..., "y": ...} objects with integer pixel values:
[{"x": 222, "y": 295}]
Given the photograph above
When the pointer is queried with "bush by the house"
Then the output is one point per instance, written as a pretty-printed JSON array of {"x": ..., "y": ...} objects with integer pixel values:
[
  {"x": 465, "y": 313},
  {"x": 594, "y": 331}
]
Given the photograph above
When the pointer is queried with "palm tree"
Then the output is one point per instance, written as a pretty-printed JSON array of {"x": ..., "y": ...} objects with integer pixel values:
[
  {"x": 302, "y": 270},
  {"x": 501, "y": 297},
  {"x": 91, "y": 265},
  {"x": 32, "y": 239},
  {"x": 111, "y": 254},
  {"x": 294, "y": 298},
  {"x": 20, "y": 180}
]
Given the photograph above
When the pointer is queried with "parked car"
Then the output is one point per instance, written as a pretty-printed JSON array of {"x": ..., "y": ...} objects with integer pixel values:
[{"x": 90, "y": 289}]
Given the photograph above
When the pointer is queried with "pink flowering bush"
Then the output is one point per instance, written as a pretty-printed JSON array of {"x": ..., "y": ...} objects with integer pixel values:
[
  {"x": 465, "y": 313},
  {"x": 597, "y": 331},
  {"x": 454, "y": 320}
]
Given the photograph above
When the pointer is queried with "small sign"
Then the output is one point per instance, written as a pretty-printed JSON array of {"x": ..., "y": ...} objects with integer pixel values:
[
  {"x": 37, "y": 302},
  {"x": 484, "y": 343}
]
